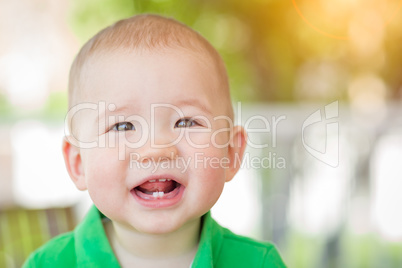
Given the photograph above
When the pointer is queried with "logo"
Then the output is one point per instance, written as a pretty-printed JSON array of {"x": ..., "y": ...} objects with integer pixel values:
[{"x": 330, "y": 154}]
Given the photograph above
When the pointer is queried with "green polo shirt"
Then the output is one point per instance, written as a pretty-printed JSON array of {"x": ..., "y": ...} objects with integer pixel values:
[{"x": 88, "y": 246}]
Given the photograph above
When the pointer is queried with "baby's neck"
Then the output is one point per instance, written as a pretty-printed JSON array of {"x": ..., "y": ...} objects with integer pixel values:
[{"x": 176, "y": 249}]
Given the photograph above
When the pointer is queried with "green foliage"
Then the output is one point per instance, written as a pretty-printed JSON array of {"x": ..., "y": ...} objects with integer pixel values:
[
  {"x": 56, "y": 106},
  {"x": 89, "y": 16},
  {"x": 5, "y": 107}
]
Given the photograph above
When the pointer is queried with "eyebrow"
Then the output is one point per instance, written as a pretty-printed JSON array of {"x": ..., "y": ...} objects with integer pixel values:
[
  {"x": 195, "y": 103},
  {"x": 184, "y": 102},
  {"x": 116, "y": 111}
]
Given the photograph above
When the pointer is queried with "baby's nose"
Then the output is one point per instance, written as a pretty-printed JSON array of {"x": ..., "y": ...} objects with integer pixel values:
[
  {"x": 157, "y": 154},
  {"x": 160, "y": 147}
]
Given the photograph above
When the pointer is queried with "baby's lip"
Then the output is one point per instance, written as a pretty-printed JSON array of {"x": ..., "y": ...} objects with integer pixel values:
[
  {"x": 158, "y": 177},
  {"x": 158, "y": 191}
]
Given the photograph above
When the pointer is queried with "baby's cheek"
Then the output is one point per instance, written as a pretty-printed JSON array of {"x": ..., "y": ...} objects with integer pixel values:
[
  {"x": 220, "y": 139},
  {"x": 211, "y": 184},
  {"x": 209, "y": 164},
  {"x": 200, "y": 138},
  {"x": 197, "y": 139},
  {"x": 103, "y": 169},
  {"x": 129, "y": 139}
]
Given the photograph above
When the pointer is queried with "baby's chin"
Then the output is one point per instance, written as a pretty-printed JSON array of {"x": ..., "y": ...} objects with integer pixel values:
[
  {"x": 158, "y": 230},
  {"x": 151, "y": 225},
  {"x": 166, "y": 226}
]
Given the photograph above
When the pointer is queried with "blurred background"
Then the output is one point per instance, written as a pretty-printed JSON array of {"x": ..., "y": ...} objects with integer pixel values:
[{"x": 318, "y": 85}]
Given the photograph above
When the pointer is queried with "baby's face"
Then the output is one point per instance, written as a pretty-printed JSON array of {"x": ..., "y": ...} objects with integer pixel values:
[{"x": 162, "y": 138}]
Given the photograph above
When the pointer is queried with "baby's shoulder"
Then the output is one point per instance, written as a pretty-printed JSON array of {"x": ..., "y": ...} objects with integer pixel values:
[{"x": 236, "y": 250}]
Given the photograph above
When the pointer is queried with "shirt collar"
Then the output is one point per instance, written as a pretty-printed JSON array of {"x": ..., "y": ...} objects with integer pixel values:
[
  {"x": 209, "y": 244},
  {"x": 93, "y": 248},
  {"x": 91, "y": 243}
]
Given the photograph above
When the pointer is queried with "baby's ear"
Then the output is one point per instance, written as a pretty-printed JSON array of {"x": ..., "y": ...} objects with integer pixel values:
[
  {"x": 72, "y": 159},
  {"x": 235, "y": 151}
]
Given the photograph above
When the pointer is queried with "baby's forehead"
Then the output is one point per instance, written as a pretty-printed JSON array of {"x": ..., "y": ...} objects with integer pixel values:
[
  {"x": 104, "y": 63},
  {"x": 106, "y": 55},
  {"x": 174, "y": 77}
]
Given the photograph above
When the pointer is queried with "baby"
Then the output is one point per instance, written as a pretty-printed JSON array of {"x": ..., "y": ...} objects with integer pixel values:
[{"x": 152, "y": 140}]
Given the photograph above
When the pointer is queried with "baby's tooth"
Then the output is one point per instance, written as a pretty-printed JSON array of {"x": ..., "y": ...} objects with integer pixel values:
[
  {"x": 162, "y": 180},
  {"x": 152, "y": 180},
  {"x": 155, "y": 194},
  {"x": 168, "y": 179},
  {"x": 161, "y": 194}
]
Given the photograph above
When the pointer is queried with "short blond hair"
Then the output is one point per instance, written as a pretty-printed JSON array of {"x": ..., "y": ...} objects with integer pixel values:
[{"x": 144, "y": 32}]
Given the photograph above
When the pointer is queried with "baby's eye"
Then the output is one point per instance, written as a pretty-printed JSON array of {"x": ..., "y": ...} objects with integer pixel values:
[
  {"x": 186, "y": 122},
  {"x": 123, "y": 126}
]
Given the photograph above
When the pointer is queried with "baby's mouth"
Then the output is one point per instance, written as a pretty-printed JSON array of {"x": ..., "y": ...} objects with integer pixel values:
[{"x": 157, "y": 189}]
